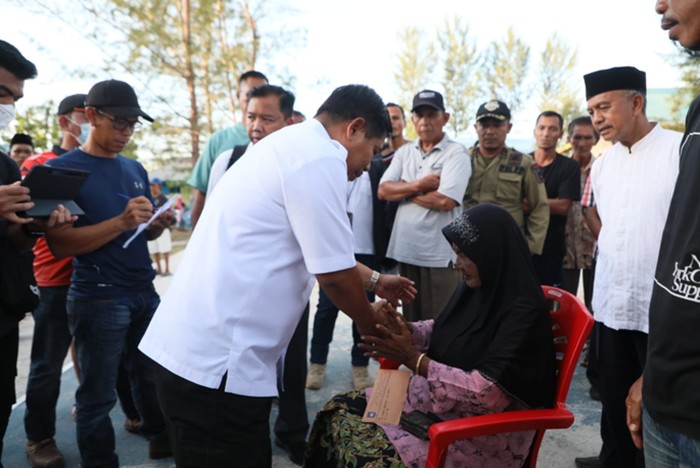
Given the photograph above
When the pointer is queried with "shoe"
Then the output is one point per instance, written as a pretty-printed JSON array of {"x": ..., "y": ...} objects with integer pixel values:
[
  {"x": 132, "y": 425},
  {"x": 588, "y": 462},
  {"x": 361, "y": 378},
  {"x": 159, "y": 447},
  {"x": 594, "y": 393},
  {"x": 295, "y": 450},
  {"x": 316, "y": 376},
  {"x": 44, "y": 454}
]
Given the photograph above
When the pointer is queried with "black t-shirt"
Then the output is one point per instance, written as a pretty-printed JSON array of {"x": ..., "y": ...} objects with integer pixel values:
[
  {"x": 562, "y": 179},
  {"x": 672, "y": 375}
]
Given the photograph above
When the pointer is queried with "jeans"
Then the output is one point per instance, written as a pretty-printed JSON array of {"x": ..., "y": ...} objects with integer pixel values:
[
  {"x": 49, "y": 347},
  {"x": 665, "y": 448},
  {"x": 105, "y": 332},
  {"x": 324, "y": 323}
]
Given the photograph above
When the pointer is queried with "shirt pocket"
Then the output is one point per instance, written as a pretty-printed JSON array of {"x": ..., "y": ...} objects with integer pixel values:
[{"x": 508, "y": 187}]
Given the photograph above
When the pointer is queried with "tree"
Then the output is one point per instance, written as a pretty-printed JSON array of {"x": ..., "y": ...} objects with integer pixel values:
[
  {"x": 505, "y": 71},
  {"x": 689, "y": 66},
  {"x": 557, "y": 64},
  {"x": 176, "y": 48},
  {"x": 461, "y": 79},
  {"x": 40, "y": 123},
  {"x": 415, "y": 63}
]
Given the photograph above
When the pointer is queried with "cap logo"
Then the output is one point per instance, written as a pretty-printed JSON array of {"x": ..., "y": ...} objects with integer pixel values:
[
  {"x": 426, "y": 94},
  {"x": 492, "y": 106}
]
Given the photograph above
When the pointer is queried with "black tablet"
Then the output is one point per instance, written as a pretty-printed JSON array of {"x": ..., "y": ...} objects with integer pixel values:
[{"x": 50, "y": 186}]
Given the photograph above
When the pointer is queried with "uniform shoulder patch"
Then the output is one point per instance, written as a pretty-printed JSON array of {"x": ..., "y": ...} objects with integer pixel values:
[
  {"x": 515, "y": 158},
  {"x": 537, "y": 170}
]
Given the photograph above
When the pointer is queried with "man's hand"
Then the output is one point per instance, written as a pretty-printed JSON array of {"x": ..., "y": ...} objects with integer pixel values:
[
  {"x": 163, "y": 221},
  {"x": 428, "y": 183},
  {"x": 634, "y": 412},
  {"x": 60, "y": 217},
  {"x": 395, "y": 289},
  {"x": 138, "y": 210},
  {"x": 14, "y": 198}
]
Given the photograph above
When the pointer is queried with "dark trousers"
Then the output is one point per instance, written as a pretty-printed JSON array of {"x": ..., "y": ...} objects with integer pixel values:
[
  {"x": 292, "y": 422},
  {"x": 548, "y": 269},
  {"x": 50, "y": 344},
  {"x": 9, "y": 343},
  {"x": 570, "y": 284},
  {"x": 435, "y": 287},
  {"x": 622, "y": 355},
  {"x": 210, "y": 428},
  {"x": 324, "y": 324}
]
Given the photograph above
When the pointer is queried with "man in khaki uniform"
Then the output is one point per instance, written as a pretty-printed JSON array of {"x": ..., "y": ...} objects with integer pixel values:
[{"x": 507, "y": 177}]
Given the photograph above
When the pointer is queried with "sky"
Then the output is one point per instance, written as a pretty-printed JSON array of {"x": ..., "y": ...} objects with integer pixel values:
[{"x": 358, "y": 41}]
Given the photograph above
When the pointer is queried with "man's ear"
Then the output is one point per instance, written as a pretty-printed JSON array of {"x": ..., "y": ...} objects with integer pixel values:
[
  {"x": 356, "y": 126},
  {"x": 91, "y": 115},
  {"x": 63, "y": 122}
]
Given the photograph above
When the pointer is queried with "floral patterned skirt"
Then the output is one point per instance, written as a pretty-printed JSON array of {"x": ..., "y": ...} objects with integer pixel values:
[{"x": 339, "y": 438}]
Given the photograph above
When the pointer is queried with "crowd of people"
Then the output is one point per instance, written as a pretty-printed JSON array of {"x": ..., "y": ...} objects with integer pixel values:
[{"x": 436, "y": 252}]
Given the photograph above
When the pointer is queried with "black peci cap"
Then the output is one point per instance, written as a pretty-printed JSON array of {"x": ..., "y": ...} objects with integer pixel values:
[{"x": 614, "y": 79}]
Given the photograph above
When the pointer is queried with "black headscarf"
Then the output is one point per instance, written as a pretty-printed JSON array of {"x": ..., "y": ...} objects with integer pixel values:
[{"x": 501, "y": 329}]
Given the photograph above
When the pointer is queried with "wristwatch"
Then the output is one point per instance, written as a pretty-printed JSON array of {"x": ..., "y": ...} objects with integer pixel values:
[
  {"x": 31, "y": 232},
  {"x": 373, "y": 281}
]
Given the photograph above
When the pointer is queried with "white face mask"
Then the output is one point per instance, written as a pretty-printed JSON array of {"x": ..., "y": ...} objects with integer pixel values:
[{"x": 7, "y": 114}]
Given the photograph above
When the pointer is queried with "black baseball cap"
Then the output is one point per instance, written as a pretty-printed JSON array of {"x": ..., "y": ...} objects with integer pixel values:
[
  {"x": 72, "y": 103},
  {"x": 493, "y": 109},
  {"x": 117, "y": 97},
  {"x": 613, "y": 79},
  {"x": 428, "y": 98}
]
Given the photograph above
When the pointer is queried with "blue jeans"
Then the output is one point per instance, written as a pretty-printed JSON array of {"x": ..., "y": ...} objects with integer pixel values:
[
  {"x": 665, "y": 448},
  {"x": 105, "y": 332},
  {"x": 49, "y": 347},
  {"x": 324, "y": 323}
]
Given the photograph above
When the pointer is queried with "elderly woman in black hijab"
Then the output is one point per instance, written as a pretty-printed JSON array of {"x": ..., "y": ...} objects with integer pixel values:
[{"x": 489, "y": 351}]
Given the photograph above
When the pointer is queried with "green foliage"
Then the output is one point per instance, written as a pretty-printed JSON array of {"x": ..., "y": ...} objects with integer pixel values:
[
  {"x": 461, "y": 79},
  {"x": 416, "y": 63},
  {"x": 505, "y": 70},
  {"x": 40, "y": 123},
  {"x": 556, "y": 73},
  {"x": 690, "y": 76}
]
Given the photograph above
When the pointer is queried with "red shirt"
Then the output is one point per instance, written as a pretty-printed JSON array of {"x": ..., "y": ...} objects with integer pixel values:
[{"x": 48, "y": 270}]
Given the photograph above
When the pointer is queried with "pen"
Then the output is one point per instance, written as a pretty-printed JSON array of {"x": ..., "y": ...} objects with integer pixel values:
[{"x": 124, "y": 196}]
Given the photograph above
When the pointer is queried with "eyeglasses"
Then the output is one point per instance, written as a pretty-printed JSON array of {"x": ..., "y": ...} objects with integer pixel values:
[{"x": 121, "y": 124}]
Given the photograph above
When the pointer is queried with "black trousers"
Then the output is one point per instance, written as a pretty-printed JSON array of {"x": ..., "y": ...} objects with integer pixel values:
[
  {"x": 9, "y": 344},
  {"x": 210, "y": 428},
  {"x": 292, "y": 422},
  {"x": 570, "y": 284},
  {"x": 621, "y": 359}
]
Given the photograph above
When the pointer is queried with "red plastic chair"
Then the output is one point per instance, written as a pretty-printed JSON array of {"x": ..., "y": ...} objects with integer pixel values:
[{"x": 571, "y": 324}]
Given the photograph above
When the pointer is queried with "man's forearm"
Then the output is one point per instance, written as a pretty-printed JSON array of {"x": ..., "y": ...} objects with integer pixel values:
[
  {"x": 197, "y": 207},
  {"x": 434, "y": 201},
  {"x": 396, "y": 190},
  {"x": 70, "y": 241},
  {"x": 346, "y": 289},
  {"x": 560, "y": 206}
]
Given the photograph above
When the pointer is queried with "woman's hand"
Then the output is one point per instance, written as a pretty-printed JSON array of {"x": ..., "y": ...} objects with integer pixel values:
[{"x": 395, "y": 343}]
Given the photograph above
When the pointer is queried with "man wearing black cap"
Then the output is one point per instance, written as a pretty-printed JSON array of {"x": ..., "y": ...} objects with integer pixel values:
[
  {"x": 111, "y": 298},
  {"x": 51, "y": 337},
  {"x": 428, "y": 178},
  {"x": 21, "y": 147},
  {"x": 671, "y": 422},
  {"x": 505, "y": 176},
  {"x": 632, "y": 182}
]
